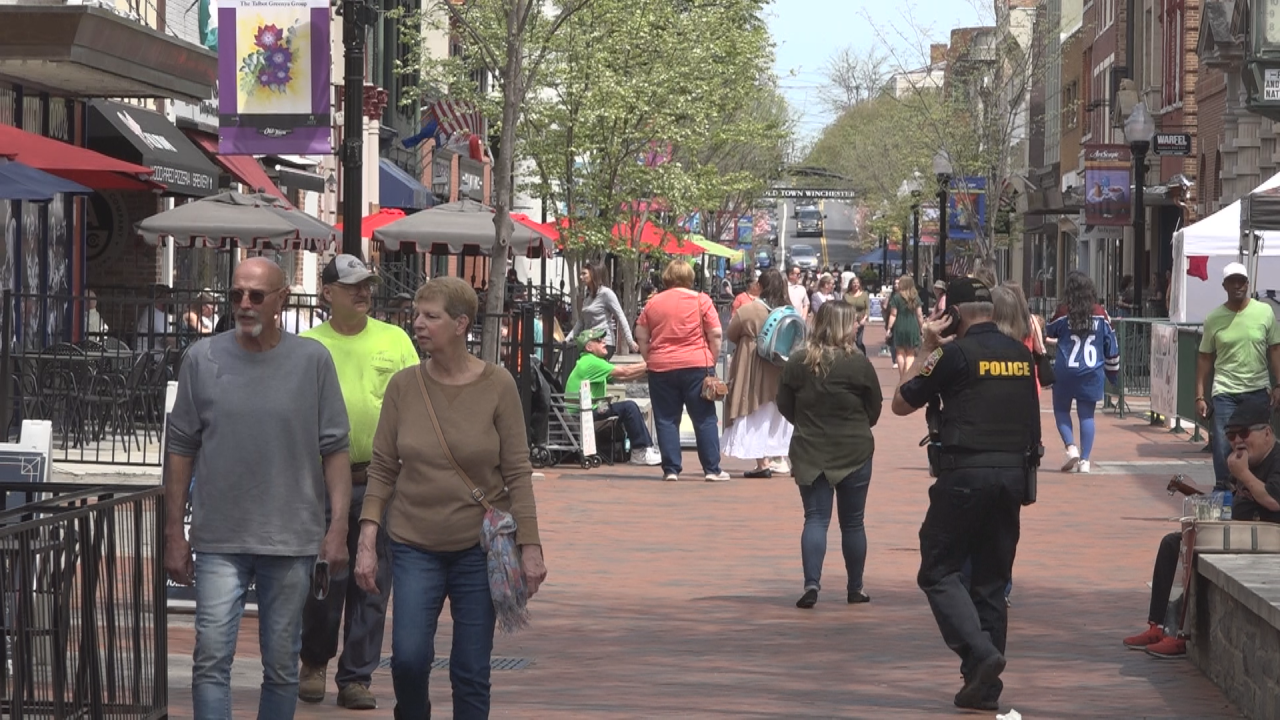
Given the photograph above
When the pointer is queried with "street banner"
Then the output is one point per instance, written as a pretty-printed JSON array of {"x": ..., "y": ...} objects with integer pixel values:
[
  {"x": 273, "y": 73},
  {"x": 1107, "y": 200},
  {"x": 966, "y": 207}
]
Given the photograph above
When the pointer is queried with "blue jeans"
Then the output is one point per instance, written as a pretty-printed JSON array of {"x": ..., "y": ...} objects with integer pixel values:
[
  {"x": 628, "y": 413},
  {"x": 671, "y": 392},
  {"x": 1223, "y": 407},
  {"x": 282, "y": 587},
  {"x": 423, "y": 579},
  {"x": 851, "y": 499}
]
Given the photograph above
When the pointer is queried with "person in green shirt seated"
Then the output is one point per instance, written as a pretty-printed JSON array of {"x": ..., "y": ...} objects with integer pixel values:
[{"x": 594, "y": 369}]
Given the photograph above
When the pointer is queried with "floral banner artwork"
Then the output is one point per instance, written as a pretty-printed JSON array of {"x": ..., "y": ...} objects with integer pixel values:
[{"x": 273, "y": 77}]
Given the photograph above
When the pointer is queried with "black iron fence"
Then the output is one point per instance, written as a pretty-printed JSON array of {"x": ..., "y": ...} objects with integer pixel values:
[
  {"x": 101, "y": 377},
  {"x": 84, "y": 617}
]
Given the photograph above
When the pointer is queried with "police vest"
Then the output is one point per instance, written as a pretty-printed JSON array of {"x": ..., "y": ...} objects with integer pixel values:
[{"x": 997, "y": 407}]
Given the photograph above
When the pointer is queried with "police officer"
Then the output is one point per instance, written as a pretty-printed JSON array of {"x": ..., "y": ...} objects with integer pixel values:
[{"x": 990, "y": 445}]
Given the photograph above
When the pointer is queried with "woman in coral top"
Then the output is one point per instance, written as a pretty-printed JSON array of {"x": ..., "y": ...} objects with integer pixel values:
[{"x": 679, "y": 335}]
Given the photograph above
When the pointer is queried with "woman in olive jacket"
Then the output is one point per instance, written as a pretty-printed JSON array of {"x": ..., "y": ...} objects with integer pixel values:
[{"x": 830, "y": 390}]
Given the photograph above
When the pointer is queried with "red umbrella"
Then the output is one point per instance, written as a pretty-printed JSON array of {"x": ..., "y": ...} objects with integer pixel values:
[
  {"x": 652, "y": 236},
  {"x": 546, "y": 230},
  {"x": 369, "y": 223}
]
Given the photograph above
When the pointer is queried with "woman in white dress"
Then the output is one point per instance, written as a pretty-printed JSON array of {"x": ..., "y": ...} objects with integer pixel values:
[{"x": 754, "y": 429}]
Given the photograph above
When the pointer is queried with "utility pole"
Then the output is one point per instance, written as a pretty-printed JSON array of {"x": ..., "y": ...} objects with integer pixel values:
[{"x": 355, "y": 18}]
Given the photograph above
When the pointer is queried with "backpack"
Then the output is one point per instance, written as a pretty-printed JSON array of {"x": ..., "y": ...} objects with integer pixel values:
[{"x": 783, "y": 333}]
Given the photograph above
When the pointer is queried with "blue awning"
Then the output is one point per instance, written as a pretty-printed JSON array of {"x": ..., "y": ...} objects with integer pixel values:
[
  {"x": 399, "y": 189},
  {"x": 875, "y": 257},
  {"x": 23, "y": 182}
]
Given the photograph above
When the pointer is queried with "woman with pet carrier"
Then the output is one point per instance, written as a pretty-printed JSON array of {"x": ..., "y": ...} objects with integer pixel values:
[
  {"x": 830, "y": 390},
  {"x": 754, "y": 429}
]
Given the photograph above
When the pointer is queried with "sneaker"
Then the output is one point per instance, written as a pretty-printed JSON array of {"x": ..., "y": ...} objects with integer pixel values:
[
  {"x": 646, "y": 456},
  {"x": 311, "y": 682},
  {"x": 808, "y": 599},
  {"x": 858, "y": 597},
  {"x": 357, "y": 697},
  {"x": 780, "y": 467},
  {"x": 1083, "y": 466},
  {"x": 1170, "y": 647},
  {"x": 1073, "y": 459},
  {"x": 763, "y": 472},
  {"x": 721, "y": 476},
  {"x": 670, "y": 477},
  {"x": 1152, "y": 635}
]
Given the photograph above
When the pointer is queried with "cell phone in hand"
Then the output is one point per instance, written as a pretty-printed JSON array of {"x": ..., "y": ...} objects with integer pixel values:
[{"x": 320, "y": 580}]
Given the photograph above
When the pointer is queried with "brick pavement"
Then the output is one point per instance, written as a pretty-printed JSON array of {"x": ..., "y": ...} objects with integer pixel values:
[{"x": 676, "y": 600}]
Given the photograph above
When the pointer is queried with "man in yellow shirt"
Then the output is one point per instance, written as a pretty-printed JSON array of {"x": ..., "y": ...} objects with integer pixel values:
[{"x": 366, "y": 353}]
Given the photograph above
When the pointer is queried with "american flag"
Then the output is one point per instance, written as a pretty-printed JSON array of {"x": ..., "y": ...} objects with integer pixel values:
[
  {"x": 455, "y": 115},
  {"x": 961, "y": 266}
]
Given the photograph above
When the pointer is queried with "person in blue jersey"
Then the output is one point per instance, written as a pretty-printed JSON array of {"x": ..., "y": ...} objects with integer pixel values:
[{"x": 1087, "y": 350}]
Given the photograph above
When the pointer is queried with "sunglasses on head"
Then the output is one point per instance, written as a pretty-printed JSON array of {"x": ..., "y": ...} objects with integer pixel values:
[
  {"x": 256, "y": 297},
  {"x": 1244, "y": 433}
]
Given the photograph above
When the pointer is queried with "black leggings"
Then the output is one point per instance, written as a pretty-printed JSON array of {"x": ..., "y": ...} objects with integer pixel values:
[{"x": 1162, "y": 577}]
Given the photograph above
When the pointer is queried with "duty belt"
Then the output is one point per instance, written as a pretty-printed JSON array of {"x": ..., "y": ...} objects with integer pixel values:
[
  {"x": 359, "y": 473},
  {"x": 959, "y": 461}
]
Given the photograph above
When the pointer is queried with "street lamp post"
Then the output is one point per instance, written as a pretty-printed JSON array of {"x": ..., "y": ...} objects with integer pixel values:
[
  {"x": 1138, "y": 130},
  {"x": 356, "y": 16},
  {"x": 942, "y": 169}
]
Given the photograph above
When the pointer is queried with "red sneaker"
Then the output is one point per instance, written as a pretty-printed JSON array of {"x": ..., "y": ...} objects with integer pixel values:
[
  {"x": 1153, "y": 635},
  {"x": 1170, "y": 647}
]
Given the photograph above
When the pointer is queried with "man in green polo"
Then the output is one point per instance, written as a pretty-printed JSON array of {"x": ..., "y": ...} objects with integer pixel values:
[{"x": 595, "y": 370}]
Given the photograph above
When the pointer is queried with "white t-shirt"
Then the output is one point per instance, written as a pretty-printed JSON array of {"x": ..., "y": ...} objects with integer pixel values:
[{"x": 799, "y": 298}]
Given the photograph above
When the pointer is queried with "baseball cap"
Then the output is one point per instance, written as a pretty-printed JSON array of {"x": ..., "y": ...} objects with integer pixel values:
[
  {"x": 587, "y": 336},
  {"x": 967, "y": 290},
  {"x": 1252, "y": 411},
  {"x": 347, "y": 270},
  {"x": 1235, "y": 268}
]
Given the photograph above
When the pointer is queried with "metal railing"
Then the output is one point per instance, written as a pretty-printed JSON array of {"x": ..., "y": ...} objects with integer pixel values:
[
  {"x": 82, "y": 581},
  {"x": 1134, "y": 338},
  {"x": 100, "y": 377}
]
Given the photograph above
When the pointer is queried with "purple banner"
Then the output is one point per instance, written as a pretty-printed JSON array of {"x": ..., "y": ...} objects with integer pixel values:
[{"x": 273, "y": 77}]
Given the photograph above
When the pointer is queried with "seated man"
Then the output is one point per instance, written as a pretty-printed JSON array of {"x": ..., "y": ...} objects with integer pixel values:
[
  {"x": 593, "y": 368},
  {"x": 1254, "y": 464}
]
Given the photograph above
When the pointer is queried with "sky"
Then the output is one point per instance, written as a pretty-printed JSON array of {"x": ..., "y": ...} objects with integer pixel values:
[{"x": 806, "y": 33}]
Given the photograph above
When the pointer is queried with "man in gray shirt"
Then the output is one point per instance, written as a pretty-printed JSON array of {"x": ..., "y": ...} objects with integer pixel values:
[{"x": 261, "y": 422}]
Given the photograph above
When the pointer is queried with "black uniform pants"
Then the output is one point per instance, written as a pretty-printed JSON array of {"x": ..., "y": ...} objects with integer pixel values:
[
  {"x": 360, "y": 616},
  {"x": 973, "y": 513}
]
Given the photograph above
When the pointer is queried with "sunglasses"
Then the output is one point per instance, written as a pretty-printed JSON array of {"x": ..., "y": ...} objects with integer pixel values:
[
  {"x": 256, "y": 297},
  {"x": 320, "y": 580},
  {"x": 1244, "y": 433}
]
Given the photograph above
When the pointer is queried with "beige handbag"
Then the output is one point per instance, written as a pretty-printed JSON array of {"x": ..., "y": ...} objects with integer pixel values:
[{"x": 1217, "y": 536}]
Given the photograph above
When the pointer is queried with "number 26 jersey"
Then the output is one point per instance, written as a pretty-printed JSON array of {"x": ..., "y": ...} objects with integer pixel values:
[{"x": 1083, "y": 359}]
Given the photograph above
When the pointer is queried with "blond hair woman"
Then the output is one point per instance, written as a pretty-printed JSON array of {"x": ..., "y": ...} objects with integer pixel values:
[
  {"x": 830, "y": 390},
  {"x": 905, "y": 320}
]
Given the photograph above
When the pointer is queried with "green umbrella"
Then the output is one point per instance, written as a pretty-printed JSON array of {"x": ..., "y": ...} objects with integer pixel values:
[{"x": 714, "y": 248}]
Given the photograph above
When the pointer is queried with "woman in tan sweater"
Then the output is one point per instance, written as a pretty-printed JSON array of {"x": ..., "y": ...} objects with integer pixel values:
[
  {"x": 754, "y": 429},
  {"x": 431, "y": 517}
]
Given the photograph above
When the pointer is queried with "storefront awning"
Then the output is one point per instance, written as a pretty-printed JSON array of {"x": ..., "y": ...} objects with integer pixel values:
[
  {"x": 399, "y": 189},
  {"x": 83, "y": 51},
  {"x": 132, "y": 133},
  {"x": 243, "y": 168},
  {"x": 86, "y": 167}
]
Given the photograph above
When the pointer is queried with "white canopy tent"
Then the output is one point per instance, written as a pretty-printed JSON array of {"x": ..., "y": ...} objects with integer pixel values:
[{"x": 1217, "y": 237}]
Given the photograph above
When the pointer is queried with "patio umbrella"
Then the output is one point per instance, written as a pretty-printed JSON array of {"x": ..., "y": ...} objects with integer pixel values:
[
  {"x": 715, "y": 249},
  {"x": 230, "y": 219},
  {"x": 455, "y": 226},
  {"x": 369, "y": 223},
  {"x": 546, "y": 230},
  {"x": 652, "y": 236},
  {"x": 23, "y": 182}
]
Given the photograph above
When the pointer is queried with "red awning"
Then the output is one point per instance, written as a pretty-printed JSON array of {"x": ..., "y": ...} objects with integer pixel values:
[
  {"x": 244, "y": 168},
  {"x": 86, "y": 167}
]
